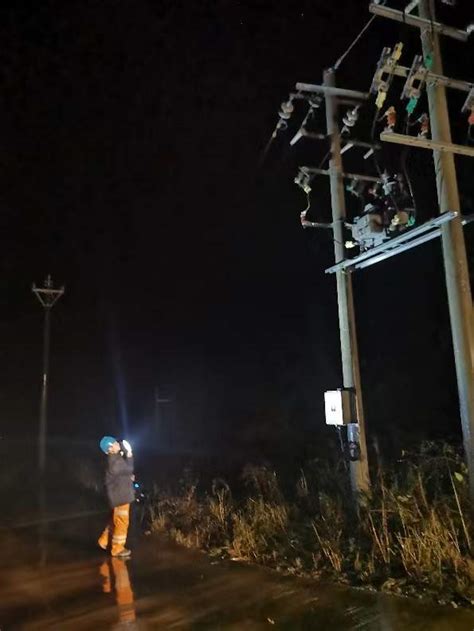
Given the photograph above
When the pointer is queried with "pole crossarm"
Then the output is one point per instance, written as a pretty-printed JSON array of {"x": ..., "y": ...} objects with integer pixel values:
[
  {"x": 447, "y": 82},
  {"x": 47, "y": 297},
  {"x": 425, "y": 143},
  {"x": 421, "y": 23},
  {"x": 330, "y": 91},
  {"x": 347, "y": 143},
  {"x": 414, "y": 237},
  {"x": 347, "y": 176}
]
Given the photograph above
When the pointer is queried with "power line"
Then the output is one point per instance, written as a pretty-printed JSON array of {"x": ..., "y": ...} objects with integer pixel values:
[{"x": 354, "y": 42}]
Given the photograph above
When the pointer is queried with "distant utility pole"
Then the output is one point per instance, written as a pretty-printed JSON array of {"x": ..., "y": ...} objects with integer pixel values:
[
  {"x": 163, "y": 433},
  {"x": 356, "y": 434},
  {"x": 48, "y": 296}
]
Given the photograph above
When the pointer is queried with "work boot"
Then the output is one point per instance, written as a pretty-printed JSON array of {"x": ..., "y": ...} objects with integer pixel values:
[{"x": 124, "y": 554}]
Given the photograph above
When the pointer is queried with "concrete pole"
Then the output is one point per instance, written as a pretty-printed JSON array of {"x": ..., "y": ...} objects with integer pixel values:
[
  {"x": 359, "y": 469},
  {"x": 48, "y": 296},
  {"x": 43, "y": 424},
  {"x": 454, "y": 248}
]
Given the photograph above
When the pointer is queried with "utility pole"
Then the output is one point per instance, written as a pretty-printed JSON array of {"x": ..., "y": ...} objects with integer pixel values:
[
  {"x": 430, "y": 71},
  {"x": 48, "y": 296},
  {"x": 452, "y": 237},
  {"x": 163, "y": 429},
  {"x": 426, "y": 70},
  {"x": 356, "y": 435}
]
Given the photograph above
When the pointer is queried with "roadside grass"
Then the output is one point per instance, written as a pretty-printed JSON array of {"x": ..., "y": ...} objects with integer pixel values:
[{"x": 413, "y": 535}]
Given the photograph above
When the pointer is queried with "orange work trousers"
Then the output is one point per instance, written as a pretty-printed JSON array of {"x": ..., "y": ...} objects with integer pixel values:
[{"x": 115, "y": 533}]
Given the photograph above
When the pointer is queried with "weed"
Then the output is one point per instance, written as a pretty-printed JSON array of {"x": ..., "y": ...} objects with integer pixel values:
[{"x": 413, "y": 533}]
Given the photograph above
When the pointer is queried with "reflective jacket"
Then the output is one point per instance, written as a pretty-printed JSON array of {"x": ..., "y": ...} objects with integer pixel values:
[{"x": 118, "y": 480}]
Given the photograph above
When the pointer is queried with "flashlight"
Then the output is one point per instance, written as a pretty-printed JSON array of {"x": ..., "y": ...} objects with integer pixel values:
[{"x": 128, "y": 448}]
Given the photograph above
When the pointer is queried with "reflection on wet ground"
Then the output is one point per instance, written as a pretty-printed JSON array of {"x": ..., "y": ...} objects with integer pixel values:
[{"x": 64, "y": 583}]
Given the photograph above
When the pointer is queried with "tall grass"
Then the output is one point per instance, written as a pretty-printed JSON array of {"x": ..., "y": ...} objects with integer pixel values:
[{"x": 413, "y": 534}]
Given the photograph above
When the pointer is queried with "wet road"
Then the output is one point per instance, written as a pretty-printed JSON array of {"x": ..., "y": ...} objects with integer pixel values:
[{"x": 60, "y": 581}]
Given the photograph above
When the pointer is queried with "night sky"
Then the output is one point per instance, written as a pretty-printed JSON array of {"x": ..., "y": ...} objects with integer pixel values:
[{"x": 130, "y": 139}]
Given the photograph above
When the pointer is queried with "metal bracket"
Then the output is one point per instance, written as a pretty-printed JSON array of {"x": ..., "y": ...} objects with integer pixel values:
[
  {"x": 469, "y": 102},
  {"x": 348, "y": 143},
  {"x": 412, "y": 5},
  {"x": 303, "y": 133},
  {"x": 406, "y": 241},
  {"x": 395, "y": 70},
  {"x": 416, "y": 79},
  {"x": 385, "y": 70}
]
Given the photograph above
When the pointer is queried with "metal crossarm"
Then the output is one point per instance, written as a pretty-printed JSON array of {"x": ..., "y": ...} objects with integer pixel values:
[
  {"x": 340, "y": 92},
  {"x": 418, "y": 22},
  {"x": 346, "y": 176},
  {"x": 407, "y": 241}
]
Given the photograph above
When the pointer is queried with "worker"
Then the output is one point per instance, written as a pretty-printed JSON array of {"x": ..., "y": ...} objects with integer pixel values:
[{"x": 120, "y": 493}]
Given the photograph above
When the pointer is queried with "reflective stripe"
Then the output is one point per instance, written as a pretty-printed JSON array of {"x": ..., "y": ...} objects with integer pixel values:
[{"x": 119, "y": 539}]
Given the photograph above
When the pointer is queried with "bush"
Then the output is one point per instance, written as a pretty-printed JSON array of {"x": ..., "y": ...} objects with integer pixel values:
[{"x": 413, "y": 533}]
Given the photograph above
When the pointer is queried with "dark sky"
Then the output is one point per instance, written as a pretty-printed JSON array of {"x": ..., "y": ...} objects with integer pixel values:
[{"x": 130, "y": 136}]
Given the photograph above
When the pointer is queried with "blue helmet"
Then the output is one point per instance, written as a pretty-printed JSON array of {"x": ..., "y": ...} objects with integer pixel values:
[{"x": 105, "y": 443}]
